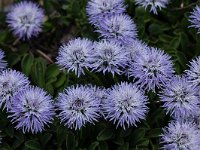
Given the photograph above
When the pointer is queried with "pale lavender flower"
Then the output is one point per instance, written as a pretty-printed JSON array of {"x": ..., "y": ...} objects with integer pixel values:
[
  {"x": 118, "y": 28},
  {"x": 32, "y": 109},
  {"x": 194, "y": 18},
  {"x": 3, "y": 63},
  {"x": 73, "y": 56},
  {"x": 153, "y": 4},
  {"x": 137, "y": 47},
  {"x": 193, "y": 73},
  {"x": 25, "y": 19},
  {"x": 180, "y": 98},
  {"x": 152, "y": 69},
  {"x": 78, "y": 105},
  {"x": 97, "y": 10},
  {"x": 180, "y": 136},
  {"x": 125, "y": 105},
  {"x": 101, "y": 94},
  {"x": 108, "y": 57},
  {"x": 11, "y": 82}
]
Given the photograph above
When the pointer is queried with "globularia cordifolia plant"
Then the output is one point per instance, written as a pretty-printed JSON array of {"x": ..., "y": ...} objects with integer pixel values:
[{"x": 118, "y": 48}]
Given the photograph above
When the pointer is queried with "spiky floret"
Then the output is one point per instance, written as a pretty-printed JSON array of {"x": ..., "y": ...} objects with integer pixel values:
[
  {"x": 78, "y": 105},
  {"x": 125, "y": 105},
  {"x": 32, "y": 109},
  {"x": 118, "y": 28},
  {"x": 3, "y": 63},
  {"x": 11, "y": 82},
  {"x": 193, "y": 73},
  {"x": 194, "y": 18},
  {"x": 25, "y": 19},
  {"x": 108, "y": 57},
  {"x": 73, "y": 56},
  {"x": 152, "y": 69},
  {"x": 97, "y": 10},
  {"x": 180, "y": 136},
  {"x": 180, "y": 98}
]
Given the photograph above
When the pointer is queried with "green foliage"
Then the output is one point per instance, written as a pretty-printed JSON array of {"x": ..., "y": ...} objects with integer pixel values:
[{"x": 67, "y": 19}]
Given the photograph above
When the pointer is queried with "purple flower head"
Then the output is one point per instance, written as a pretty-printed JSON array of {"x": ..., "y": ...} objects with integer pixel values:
[
  {"x": 118, "y": 28},
  {"x": 137, "y": 47},
  {"x": 11, "y": 82},
  {"x": 180, "y": 98},
  {"x": 193, "y": 73},
  {"x": 152, "y": 69},
  {"x": 194, "y": 18},
  {"x": 108, "y": 57},
  {"x": 153, "y": 4},
  {"x": 125, "y": 105},
  {"x": 3, "y": 63},
  {"x": 25, "y": 19},
  {"x": 180, "y": 136},
  {"x": 101, "y": 94},
  {"x": 78, "y": 105},
  {"x": 73, "y": 56},
  {"x": 32, "y": 109},
  {"x": 97, "y": 10}
]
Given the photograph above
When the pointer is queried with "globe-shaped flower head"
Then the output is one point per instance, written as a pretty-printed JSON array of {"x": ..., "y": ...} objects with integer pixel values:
[
  {"x": 194, "y": 18},
  {"x": 193, "y": 73},
  {"x": 125, "y": 105},
  {"x": 97, "y": 10},
  {"x": 118, "y": 28},
  {"x": 25, "y": 19},
  {"x": 180, "y": 136},
  {"x": 73, "y": 56},
  {"x": 32, "y": 109},
  {"x": 152, "y": 69},
  {"x": 180, "y": 97},
  {"x": 153, "y": 4},
  {"x": 3, "y": 63},
  {"x": 78, "y": 105},
  {"x": 108, "y": 57},
  {"x": 11, "y": 82}
]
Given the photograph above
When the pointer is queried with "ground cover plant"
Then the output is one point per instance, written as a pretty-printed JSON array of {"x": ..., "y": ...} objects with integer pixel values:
[{"x": 99, "y": 74}]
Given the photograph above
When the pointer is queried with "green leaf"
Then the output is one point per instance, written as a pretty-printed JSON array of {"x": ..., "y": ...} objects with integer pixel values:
[
  {"x": 26, "y": 63},
  {"x": 174, "y": 44},
  {"x": 93, "y": 145},
  {"x": 33, "y": 145},
  {"x": 105, "y": 134},
  {"x": 60, "y": 80},
  {"x": 103, "y": 146},
  {"x": 61, "y": 134},
  {"x": 9, "y": 131},
  {"x": 45, "y": 138},
  {"x": 38, "y": 74},
  {"x": 70, "y": 141},
  {"x": 124, "y": 147},
  {"x": 52, "y": 71},
  {"x": 137, "y": 135},
  {"x": 19, "y": 140},
  {"x": 13, "y": 59},
  {"x": 144, "y": 142},
  {"x": 154, "y": 133}
]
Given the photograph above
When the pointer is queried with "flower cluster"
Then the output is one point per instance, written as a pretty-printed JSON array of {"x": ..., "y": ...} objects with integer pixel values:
[
  {"x": 118, "y": 51},
  {"x": 30, "y": 108},
  {"x": 124, "y": 104}
]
